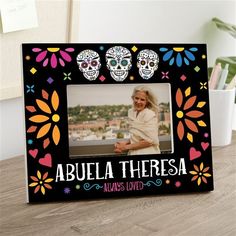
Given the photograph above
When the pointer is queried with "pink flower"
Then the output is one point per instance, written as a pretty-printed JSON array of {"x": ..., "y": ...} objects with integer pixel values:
[{"x": 54, "y": 55}]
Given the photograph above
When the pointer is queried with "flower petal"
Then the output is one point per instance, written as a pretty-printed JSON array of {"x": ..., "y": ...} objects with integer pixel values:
[
  {"x": 45, "y": 176},
  {"x": 61, "y": 62},
  {"x": 207, "y": 174},
  {"x": 33, "y": 184},
  {"x": 44, "y": 130},
  {"x": 56, "y": 134},
  {"x": 186, "y": 61},
  {"x": 199, "y": 181},
  {"x": 43, "y": 106},
  {"x": 163, "y": 49},
  {"x": 39, "y": 118},
  {"x": 48, "y": 186},
  {"x": 191, "y": 125},
  {"x": 45, "y": 63},
  {"x": 179, "y": 60},
  {"x": 48, "y": 180},
  {"x": 167, "y": 55},
  {"x": 37, "y": 189},
  {"x": 65, "y": 56},
  {"x": 204, "y": 179},
  {"x": 189, "y": 55},
  {"x": 41, "y": 56},
  {"x": 36, "y": 49},
  {"x": 70, "y": 49},
  {"x": 194, "y": 114},
  {"x": 189, "y": 103},
  {"x": 53, "y": 61},
  {"x": 43, "y": 190},
  {"x": 193, "y": 172},
  {"x": 55, "y": 100},
  {"x": 206, "y": 169},
  {"x": 180, "y": 130},
  {"x": 201, "y": 166},
  {"x": 196, "y": 168},
  {"x": 179, "y": 97},
  {"x": 194, "y": 178},
  {"x": 34, "y": 178},
  {"x": 39, "y": 175}
]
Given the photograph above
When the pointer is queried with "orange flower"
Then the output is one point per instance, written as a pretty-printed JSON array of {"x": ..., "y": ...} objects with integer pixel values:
[
  {"x": 187, "y": 114},
  {"x": 200, "y": 174},
  {"x": 47, "y": 119},
  {"x": 41, "y": 182}
]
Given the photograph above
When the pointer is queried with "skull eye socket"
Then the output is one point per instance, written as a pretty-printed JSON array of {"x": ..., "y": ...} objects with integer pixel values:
[
  {"x": 143, "y": 63},
  {"x": 113, "y": 62},
  {"x": 94, "y": 63},
  {"x": 84, "y": 65},
  {"x": 151, "y": 64},
  {"x": 124, "y": 62}
]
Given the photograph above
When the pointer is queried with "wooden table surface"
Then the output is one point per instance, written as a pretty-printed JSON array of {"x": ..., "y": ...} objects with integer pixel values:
[{"x": 211, "y": 213}]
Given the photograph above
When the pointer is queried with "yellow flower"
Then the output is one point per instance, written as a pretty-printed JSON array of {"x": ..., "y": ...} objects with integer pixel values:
[
  {"x": 47, "y": 118},
  {"x": 200, "y": 174},
  {"x": 41, "y": 182}
]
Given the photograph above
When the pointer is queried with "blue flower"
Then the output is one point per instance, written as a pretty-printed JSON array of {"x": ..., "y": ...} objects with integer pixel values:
[
  {"x": 30, "y": 88},
  {"x": 178, "y": 55}
]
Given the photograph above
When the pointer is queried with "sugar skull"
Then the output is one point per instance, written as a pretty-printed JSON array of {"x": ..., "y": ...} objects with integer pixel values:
[
  {"x": 118, "y": 61},
  {"x": 89, "y": 63},
  {"x": 147, "y": 63}
]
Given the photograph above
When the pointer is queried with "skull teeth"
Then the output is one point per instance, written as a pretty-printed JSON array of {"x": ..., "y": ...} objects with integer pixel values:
[
  {"x": 146, "y": 72},
  {"x": 119, "y": 72},
  {"x": 91, "y": 73}
]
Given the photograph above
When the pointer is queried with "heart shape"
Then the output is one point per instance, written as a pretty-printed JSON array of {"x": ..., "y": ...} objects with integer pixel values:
[
  {"x": 46, "y": 160},
  {"x": 204, "y": 145},
  {"x": 33, "y": 152},
  {"x": 194, "y": 154}
]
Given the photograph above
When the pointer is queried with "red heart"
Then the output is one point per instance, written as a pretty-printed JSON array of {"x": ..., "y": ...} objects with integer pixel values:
[
  {"x": 46, "y": 160},
  {"x": 204, "y": 145},
  {"x": 194, "y": 153},
  {"x": 33, "y": 153}
]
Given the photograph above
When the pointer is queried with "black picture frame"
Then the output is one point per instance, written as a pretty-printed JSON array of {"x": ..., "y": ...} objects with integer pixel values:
[{"x": 48, "y": 70}]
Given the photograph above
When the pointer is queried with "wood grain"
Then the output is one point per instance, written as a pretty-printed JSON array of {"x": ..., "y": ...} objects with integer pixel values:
[{"x": 204, "y": 214}]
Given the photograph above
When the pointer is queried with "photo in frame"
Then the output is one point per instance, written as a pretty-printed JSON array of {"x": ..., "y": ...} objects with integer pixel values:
[{"x": 114, "y": 120}]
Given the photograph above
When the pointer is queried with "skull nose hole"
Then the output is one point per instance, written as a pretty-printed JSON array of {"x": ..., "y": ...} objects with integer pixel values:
[
  {"x": 118, "y": 67},
  {"x": 90, "y": 68},
  {"x": 146, "y": 66}
]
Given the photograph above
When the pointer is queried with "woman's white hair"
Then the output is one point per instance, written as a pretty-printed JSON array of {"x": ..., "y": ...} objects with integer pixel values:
[{"x": 151, "y": 98}]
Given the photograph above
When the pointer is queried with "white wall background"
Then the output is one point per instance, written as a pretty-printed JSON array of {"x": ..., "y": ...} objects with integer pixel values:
[{"x": 111, "y": 21}]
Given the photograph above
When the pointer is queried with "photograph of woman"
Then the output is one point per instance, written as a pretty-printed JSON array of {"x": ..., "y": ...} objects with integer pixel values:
[{"x": 143, "y": 124}]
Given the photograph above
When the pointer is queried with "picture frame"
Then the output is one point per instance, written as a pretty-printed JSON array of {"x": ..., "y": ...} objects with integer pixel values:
[{"x": 94, "y": 128}]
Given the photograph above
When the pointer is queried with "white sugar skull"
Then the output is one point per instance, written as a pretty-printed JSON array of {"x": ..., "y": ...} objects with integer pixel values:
[
  {"x": 89, "y": 63},
  {"x": 147, "y": 63},
  {"x": 119, "y": 61}
]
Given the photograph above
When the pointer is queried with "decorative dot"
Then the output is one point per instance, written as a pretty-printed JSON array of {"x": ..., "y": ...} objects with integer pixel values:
[
  {"x": 183, "y": 77},
  {"x": 197, "y": 68},
  {"x": 167, "y": 181},
  {"x": 77, "y": 186},
  {"x": 206, "y": 135},
  {"x": 203, "y": 56},
  {"x": 134, "y": 48},
  {"x": 101, "y": 48},
  {"x": 27, "y": 57},
  {"x": 30, "y": 141},
  {"x": 177, "y": 184},
  {"x": 33, "y": 70},
  {"x": 131, "y": 77},
  {"x": 55, "y": 117},
  {"x": 66, "y": 190}
]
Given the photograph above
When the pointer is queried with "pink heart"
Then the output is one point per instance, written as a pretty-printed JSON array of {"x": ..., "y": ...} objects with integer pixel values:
[
  {"x": 102, "y": 78},
  {"x": 194, "y": 154},
  {"x": 33, "y": 153},
  {"x": 204, "y": 145},
  {"x": 46, "y": 160}
]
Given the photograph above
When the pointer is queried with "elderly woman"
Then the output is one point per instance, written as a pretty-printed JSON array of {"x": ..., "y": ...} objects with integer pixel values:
[{"x": 143, "y": 124}]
